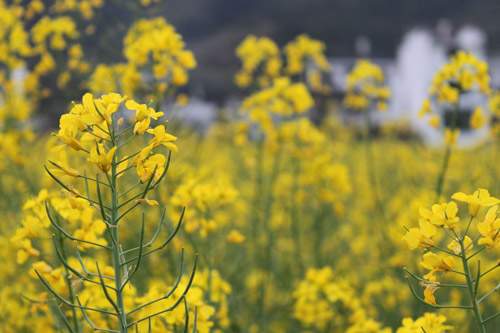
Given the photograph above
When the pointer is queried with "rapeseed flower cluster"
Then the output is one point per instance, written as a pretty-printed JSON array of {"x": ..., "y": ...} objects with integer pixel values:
[
  {"x": 263, "y": 62},
  {"x": 460, "y": 249},
  {"x": 463, "y": 74},
  {"x": 366, "y": 88},
  {"x": 153, "y": 47}
]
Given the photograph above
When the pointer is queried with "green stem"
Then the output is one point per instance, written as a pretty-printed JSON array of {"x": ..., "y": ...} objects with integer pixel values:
[
  {"x": 472, "y": 289},
  {"x": 116, "y": 252},
  {"x": 69, "y": 285},
  {"x": 447, "y": 155}
]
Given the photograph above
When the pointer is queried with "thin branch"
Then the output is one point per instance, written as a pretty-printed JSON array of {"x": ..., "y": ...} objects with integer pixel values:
[
  {"x": 155, "y": 236},
  {"x": 171, "y": 291},
  {"x": 437, "y": 284},
  {"x": 64, "y": 320},
  {"x": 139, "y": 257},
  {"x": 70, "y": 268},
  {"x": 68, "y": 189},
  {"x": 63, "y": 300},
  {"x": 87, "y": 319},
  {"x": 65, "y": 233},
  {"x": 489, "y": 293},
  {"x": 108, "y": 297},
  {"x": 435, "y": 306},
  {"x": 490, "y": 318},
  {"x": 79, "y": 257},
  {"x": 165, "y": 243}
]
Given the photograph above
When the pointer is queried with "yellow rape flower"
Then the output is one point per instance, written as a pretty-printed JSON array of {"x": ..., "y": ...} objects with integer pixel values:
[
  {"x": 101, "y": 158},
  {"x": 365, "y": 85},
  {"x": 143, "y": 115},
  {"x": 480, "y": 198},
  {"x": 430, "y": 322},
  {"x": 455, "y": 246},
  {"x": 162, "y": 138},
  {"x": 26, "y": 251},
  {"x": 433, "y": 262},
  {"x": 61, "y": 167},
  {"x": 429, "y": 291},
  {"x": 68, "y": 137},
  {"x": 490, "y": 228},
  {"x": 145, "y": 168},
  {"x": 422, "y": 236},
  {"x": 148, "y": 201},
  {"x": 441, "y": 215}
]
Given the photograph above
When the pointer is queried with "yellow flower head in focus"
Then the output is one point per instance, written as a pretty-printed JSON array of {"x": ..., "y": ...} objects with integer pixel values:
[
  {"x": 101, "y": 158},
  {"x": 480, "y": 198},
  {"x": 422, "y": 236},
  {"x": 456, "y": 248},
  {"x": 441, "y": 215},
  {"x": 435, "y": 263},
  {"x": 489, "y": 228},
  {"x": 162, "y": 138},
  {"x": 143, "y": 116}
]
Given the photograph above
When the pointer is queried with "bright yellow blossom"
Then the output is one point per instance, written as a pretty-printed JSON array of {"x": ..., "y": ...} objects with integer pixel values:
[
  {"x": 101, "y": 158},
  {"x": 422, "y": 236},
  {"x": 480, "y": 198},
  {"x": 490, "y": 228},
  {"x": 433, "y": 262}
]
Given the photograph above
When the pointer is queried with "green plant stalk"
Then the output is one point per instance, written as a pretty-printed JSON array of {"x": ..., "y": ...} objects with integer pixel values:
[
  {"x": 471, "y": 288},
  {"x": 447, "y": 155},
  {"x": 116, "y": 252},
  {"x": 68, "y": 284}
]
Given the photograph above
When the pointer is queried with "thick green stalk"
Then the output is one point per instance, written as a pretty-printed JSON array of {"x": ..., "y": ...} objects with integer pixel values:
[
  {"x": 447, "y": 155},
  {"x": 116, "y": 253},
  {"x": 472, "y": 289},
  {"x": 76, "y": 325}
]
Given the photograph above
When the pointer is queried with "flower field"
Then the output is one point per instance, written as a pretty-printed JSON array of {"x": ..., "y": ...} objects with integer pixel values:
[{"x": 124, "y": 217}]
